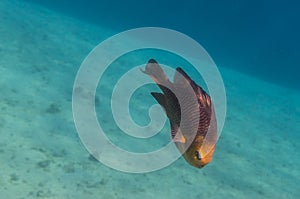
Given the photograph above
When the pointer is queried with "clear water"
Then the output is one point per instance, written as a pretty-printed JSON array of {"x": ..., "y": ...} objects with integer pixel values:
[
  {"x": 42, "y": 45},
  {"x": 257, "y": 37}
]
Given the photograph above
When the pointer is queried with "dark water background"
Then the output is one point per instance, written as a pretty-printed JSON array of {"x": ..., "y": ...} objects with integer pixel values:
[{"x": 260, "y": 37}]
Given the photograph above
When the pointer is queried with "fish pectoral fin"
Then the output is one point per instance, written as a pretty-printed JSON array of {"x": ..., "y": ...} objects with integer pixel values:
[
  {"x": 179, "y": 137},
  {"x": 160, "y": 98}
]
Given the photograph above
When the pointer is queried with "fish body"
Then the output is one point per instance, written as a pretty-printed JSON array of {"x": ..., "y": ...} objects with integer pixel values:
[{"x": 186, "y": 115}]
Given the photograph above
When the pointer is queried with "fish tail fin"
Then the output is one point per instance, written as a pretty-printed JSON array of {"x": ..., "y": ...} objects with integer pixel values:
[{"x": 154, "y": 70}]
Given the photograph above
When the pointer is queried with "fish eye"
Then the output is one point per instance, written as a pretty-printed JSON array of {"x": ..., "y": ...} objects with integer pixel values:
[{"x": 198, "y": 155}]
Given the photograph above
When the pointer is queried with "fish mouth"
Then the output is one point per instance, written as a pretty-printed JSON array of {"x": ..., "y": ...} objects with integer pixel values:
[{"x": 199, "y": 164}]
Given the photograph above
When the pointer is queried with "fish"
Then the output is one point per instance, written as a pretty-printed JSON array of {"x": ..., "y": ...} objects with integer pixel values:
[{"x": 196, "y": 137}]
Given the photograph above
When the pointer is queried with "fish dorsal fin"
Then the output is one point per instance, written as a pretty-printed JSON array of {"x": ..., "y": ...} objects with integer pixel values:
[
  {"x": 181, "y": 78},
  {"x": 160, "y": 98}
]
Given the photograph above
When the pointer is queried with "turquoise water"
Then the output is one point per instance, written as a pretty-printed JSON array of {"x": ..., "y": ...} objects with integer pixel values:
[
  {"x": 42, "y": 45},
  {"x": 257, "y": 37}
]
